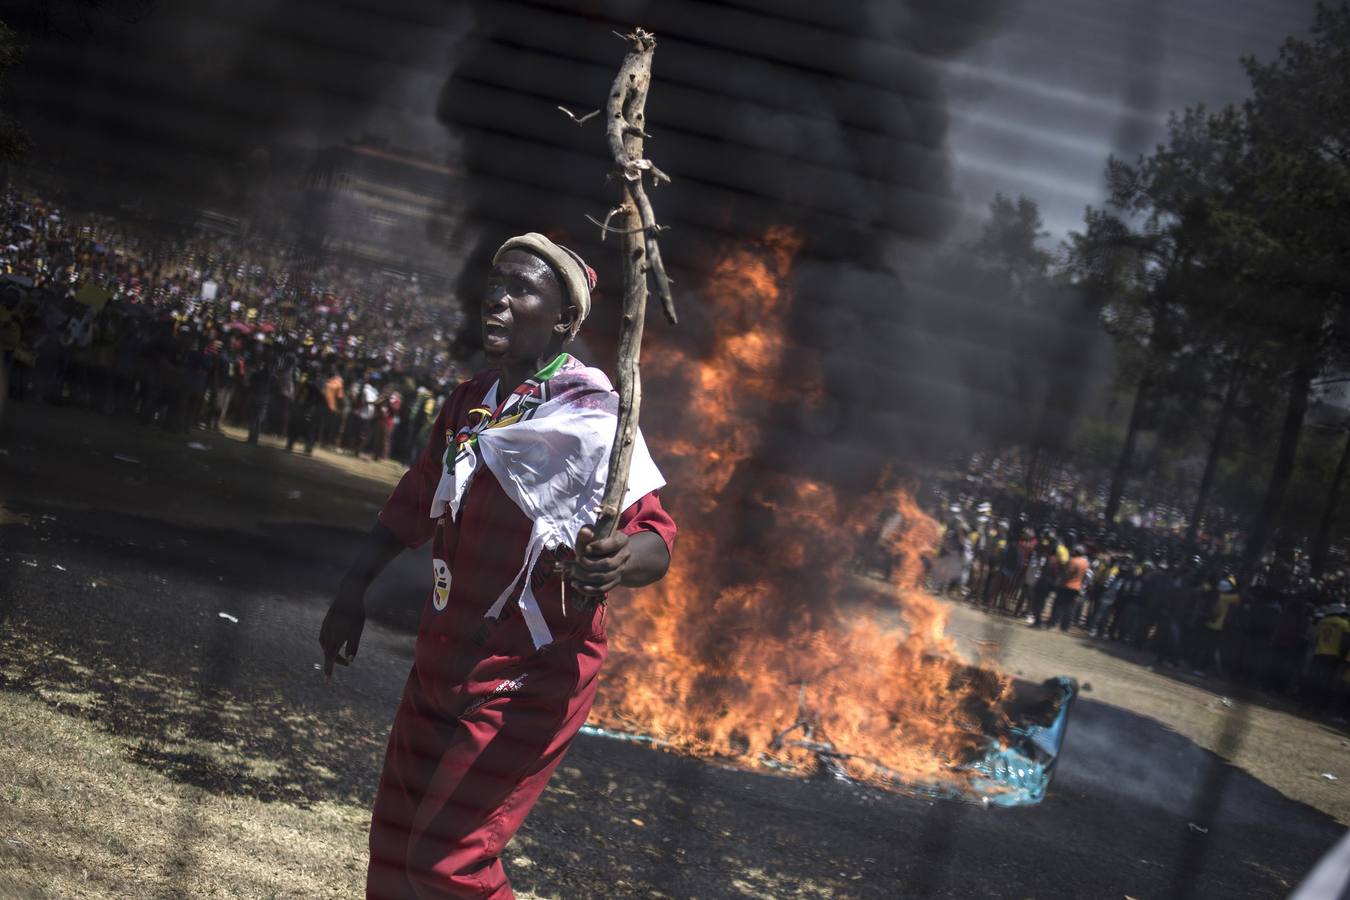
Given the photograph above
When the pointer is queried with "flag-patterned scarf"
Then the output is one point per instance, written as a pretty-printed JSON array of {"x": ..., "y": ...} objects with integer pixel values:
[{"x": 548, "y": 444}]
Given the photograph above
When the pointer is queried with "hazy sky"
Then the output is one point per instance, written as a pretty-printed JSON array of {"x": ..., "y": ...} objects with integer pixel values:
[{"x": 1037, "y": 108}]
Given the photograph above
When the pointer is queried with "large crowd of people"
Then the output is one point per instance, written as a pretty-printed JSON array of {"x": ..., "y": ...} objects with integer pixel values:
[
  {"x": 1187, "y": 607},
  {"x": 196, "y": 330}
]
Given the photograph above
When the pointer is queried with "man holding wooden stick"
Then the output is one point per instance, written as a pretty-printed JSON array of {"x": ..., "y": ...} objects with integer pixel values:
[
  {"x": 536, "y": 478},
  {"x": 511, "y": 638}
]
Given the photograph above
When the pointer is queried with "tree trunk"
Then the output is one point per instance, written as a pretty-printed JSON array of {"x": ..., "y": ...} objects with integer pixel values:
[
  {"x": 1215, "y": 452},
  {"x": 1323, "y": 540},
  {"x": 1033, "y": 465},
  {"x": 1300, "y": 382},
  {"x": 1127, "y": 452}
]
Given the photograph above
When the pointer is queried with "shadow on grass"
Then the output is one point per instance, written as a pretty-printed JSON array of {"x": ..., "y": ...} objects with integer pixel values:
[
  {"x": 624, "y": 820},
  {"x": 1004, "y": 629},
  {"x": 129, "y": 636},
  {"x": 253, "y": 747},
  {"x": 1237, "y": 690}
]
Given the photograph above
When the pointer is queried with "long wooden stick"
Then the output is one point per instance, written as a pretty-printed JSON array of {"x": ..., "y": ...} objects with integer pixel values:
[{"x": 637, "y": 229}]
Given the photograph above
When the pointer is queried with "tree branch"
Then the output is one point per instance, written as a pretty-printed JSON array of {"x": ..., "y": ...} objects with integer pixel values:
[
  {"x": 638, "y": 229},
  {"x": 580, "y": 120},
  {"x": 604, "y": 226}
]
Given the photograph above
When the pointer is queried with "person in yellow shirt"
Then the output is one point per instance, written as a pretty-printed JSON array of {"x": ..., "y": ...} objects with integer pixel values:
[
  {"x": 1228, "y": 598},
  {"x": 1054, "y": 557},
  {"x": 1210, "y": 633},
  {"x": 1331, "y": 637}
]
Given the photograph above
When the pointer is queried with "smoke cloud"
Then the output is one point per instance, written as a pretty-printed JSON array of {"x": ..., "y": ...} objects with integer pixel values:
[
  {"x": 831, "y": 121},
  {"x": 223, "y": 102},
  {"x": 828, "y": 119}
]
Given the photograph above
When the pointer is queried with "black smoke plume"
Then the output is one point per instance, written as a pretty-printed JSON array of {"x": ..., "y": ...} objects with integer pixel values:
[{"x": 827, "y": 118}]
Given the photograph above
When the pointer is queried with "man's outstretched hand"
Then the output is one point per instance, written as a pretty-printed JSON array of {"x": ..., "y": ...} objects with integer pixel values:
[
  {"x": 343, "y": 624},
  {"x": 347, "y": 616}
]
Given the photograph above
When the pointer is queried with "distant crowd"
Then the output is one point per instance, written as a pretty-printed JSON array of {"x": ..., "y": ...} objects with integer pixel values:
[
  {"x": 196, "y": 331},
  {"x": 1278, "y": 628}
]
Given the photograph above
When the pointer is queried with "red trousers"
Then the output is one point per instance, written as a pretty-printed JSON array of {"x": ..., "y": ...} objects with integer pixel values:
[{"x": 466, "y": 764}]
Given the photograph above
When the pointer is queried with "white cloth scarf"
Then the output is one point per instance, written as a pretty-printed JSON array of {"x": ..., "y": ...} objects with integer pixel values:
[{"x": 551, "y": 455}]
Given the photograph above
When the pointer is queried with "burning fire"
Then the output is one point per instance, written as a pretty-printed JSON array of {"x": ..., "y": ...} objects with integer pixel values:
[
  {"x": 748, "y": 285},
  {"x": 762, "y": 646}
]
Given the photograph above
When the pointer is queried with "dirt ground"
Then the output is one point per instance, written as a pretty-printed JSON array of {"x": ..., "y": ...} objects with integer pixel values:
[
  {"x": 166, "y": 732},
  {"x": 1264, "y": 734}
]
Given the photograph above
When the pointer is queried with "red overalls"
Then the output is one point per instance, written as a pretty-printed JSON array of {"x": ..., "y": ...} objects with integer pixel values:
[{"x": 485, "y": 717}]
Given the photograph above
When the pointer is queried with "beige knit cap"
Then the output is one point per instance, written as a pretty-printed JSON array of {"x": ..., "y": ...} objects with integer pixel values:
[{"x": 578, "y": 278}]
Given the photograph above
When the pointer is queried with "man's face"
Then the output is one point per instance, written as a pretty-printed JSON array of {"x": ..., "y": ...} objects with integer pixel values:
[{"x": 523, "y": 309}]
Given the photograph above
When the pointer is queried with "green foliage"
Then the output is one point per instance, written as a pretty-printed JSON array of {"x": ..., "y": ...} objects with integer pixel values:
[
  {"x": 1008, "y": 245},
  {"x": 1299, "y": 127},
  {"x": 73, "y": 20},
  {"x": 14, "y": 143},
  {"x": 1317, "y": 458},
  {"x": 1225, "y": 254},
  {"x": 1096, "y": 443},
  {"x": 995, "y": 291}
]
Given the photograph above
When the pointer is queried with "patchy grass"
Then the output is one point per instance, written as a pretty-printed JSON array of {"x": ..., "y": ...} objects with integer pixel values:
[
  {"x": 100, "y": 799},
  {"x": 79, "y": 818}
]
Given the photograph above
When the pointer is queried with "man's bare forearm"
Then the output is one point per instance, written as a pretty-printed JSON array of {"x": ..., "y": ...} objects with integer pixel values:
[
  {"x": 649, "y": 559},
  {"x": 375, "y": 551}
]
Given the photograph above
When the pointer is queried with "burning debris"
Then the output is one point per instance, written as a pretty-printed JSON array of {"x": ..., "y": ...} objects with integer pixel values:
[
  {"x": 762, "y": 647},
  {"x": 1014, "y": 769}
]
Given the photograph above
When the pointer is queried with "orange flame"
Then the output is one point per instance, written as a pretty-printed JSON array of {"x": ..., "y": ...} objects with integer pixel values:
[{"x": 761, "y": 645}]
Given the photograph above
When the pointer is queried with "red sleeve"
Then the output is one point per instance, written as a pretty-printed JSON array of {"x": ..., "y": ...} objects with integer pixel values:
[
  {"x": 407, "y": 512},
  {"x": 647, "y": 514}
]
